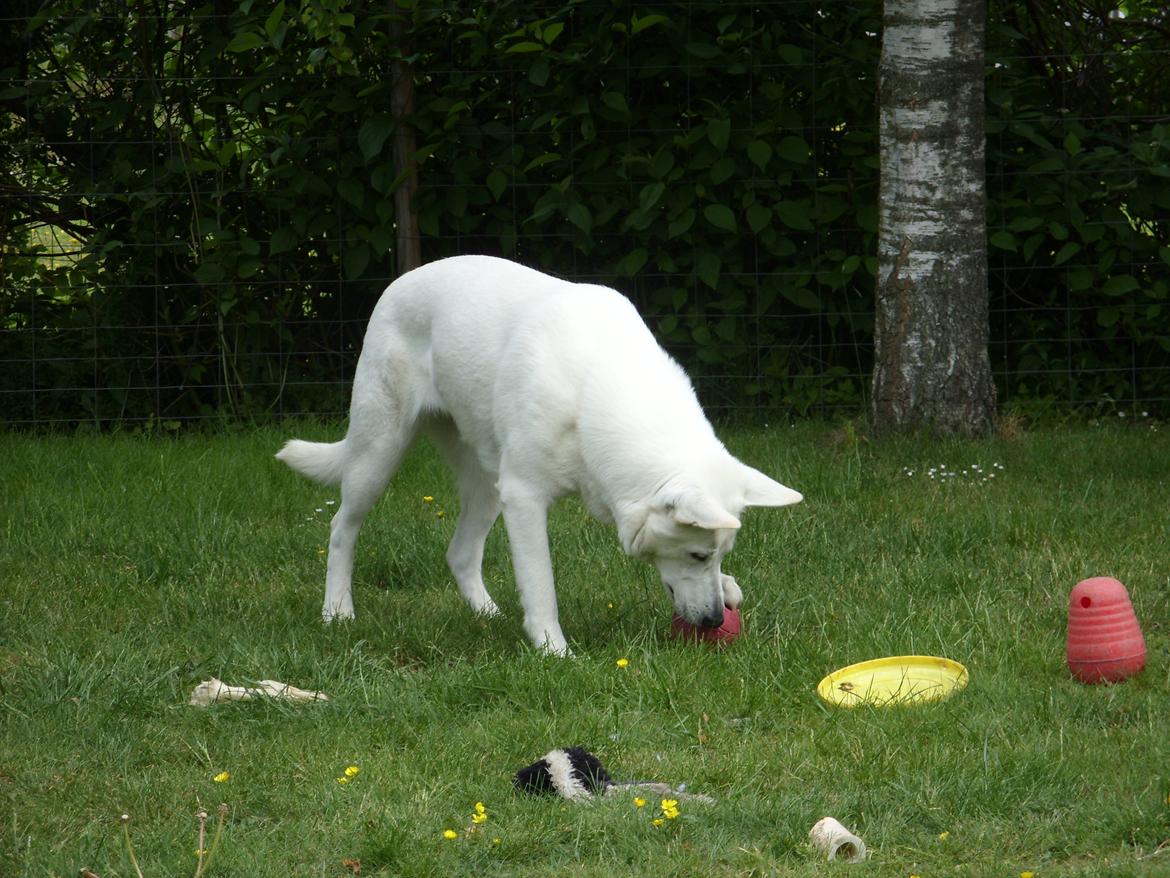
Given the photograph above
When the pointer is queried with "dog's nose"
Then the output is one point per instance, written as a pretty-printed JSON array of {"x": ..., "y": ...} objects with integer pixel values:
[{"x": 711, "y": 621}]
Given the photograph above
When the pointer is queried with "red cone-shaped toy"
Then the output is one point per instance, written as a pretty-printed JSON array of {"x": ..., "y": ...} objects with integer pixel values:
[{"x": 1105, "y": 642}]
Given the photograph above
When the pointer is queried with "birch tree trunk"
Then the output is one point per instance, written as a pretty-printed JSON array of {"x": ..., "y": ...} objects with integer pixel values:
[{"x": 931, "y": 367}]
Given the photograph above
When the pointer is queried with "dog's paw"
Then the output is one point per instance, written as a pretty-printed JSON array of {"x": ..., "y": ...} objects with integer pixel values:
[
  {"x": 555, "y": 647},
  {"x": 487, "y": 610},
  {"x": 329, "y": 616},
  {"x": 732, "y": 596},
  {"x": 561, "y": 652}
]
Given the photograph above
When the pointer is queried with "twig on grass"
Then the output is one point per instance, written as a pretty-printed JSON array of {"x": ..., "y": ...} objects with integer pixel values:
[{"x": 1160, "y": 849}]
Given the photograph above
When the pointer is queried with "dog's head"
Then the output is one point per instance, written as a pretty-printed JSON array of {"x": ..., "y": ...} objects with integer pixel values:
[{"x": 687, "y": 528}]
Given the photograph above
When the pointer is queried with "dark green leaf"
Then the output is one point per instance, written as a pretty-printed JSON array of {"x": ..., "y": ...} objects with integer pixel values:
[
  {"x": 247, "y": 267},
  {"x": 705, "y": 51},
  {"x": 719, "y": 132},
  {"x": 650, "y": 195},
  {"x": 634, "y": 261},
  {"x": 793, "y": 149},
  {"x": 357, "y": 257},
  {"x": 661, "y": 163},
  {"x": 273, "y": 21},
  {"x": 244, "y": 41},
  {"x": 758, "y": 217},
  {"x": 615, "y": 101},
  {"x": 759, "y": 151},
  {"x": 578, "y": 214},
  {"x": 722, "y": 170},
  {"x": 1080, "y": 279},
  {"x": 1067, "y": 252},
  {"x": 538, "y": 72},
  {"x": 283, "y": 240},
  {"x": 721, "y": 217},
  {"x": 373, "y": 133},
  {"x": 802, "y": 297},
  {"x": 794, "y": 215},
  {"x": 681, "y": 223},
  {"x": 497, "y": 182},
  {"x": 640, "y": 24},
  {"x": 352, "y": 191},
  {"x": 1004, "y": 240},
  {"x": 707, "y": 267},
  {"x": 1120, "y": 285}
]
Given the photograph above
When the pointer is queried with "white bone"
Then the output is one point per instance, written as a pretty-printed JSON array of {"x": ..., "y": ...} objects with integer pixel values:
[{"x": 213, "y": 691}]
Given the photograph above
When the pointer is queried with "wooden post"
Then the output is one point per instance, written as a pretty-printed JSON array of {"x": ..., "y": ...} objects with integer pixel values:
[{"x": 409, "y": 249}]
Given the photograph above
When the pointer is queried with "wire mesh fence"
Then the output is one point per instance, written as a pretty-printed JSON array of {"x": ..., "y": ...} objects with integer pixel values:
[{"x": 198, "y": 207}]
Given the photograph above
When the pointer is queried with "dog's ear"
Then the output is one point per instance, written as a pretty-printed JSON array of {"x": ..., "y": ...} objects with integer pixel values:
[
  {"x": 632, "y": 521},
  {"x": 701, "y": 510},
  {"x": 760, "y": 490}
]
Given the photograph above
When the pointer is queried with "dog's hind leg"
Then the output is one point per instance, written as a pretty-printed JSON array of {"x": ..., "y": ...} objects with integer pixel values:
[
  {"x": 479, "y": 507},
  {"x": 375, "y": 445}
]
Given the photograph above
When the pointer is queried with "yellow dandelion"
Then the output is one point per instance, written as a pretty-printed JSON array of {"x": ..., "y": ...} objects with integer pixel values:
[
  {"x": 657, "y": 821},
  {"x": 201, "y": 852},
  {"x": 480, "y": 814},
  {"x": 1025, "y": 875},
  {"x": 428, "y": 499},
  {"x": 450, "y": 834},
  {"x": 343, "y": 780},
  {"x": 639, "y": 802},
  {"x": 670, "y": 808},
  {"x": 320, "y": 551},
  {"x": 495, "y": 842},
  {"x": 622, "y": 662},
  {"x": 609, "y": 605},
  {"x": 440, "y": 514},
  {"x": 223, "y": 777},
  {"x": 944, "y": 835},
  {"x": 352, "y": 771}
]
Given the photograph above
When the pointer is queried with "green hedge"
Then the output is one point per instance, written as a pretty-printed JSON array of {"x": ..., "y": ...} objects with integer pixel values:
[{"x": 227, "y": 172}]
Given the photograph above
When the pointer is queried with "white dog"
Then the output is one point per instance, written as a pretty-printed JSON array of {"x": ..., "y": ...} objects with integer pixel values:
[{"x": 533, "y": 387}]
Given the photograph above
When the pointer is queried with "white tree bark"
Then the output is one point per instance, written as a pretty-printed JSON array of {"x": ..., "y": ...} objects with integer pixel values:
[{"x": 931, "y": 368}]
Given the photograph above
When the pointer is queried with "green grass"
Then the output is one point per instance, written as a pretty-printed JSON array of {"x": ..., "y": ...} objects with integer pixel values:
[{"x": 134, "y": 568}]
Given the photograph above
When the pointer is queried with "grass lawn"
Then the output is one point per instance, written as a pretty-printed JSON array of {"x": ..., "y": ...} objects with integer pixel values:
[{"x": 134, "y": 568}]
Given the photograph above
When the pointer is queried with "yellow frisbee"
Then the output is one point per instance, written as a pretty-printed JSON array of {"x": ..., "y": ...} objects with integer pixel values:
[{"x": 901, "y": 679}]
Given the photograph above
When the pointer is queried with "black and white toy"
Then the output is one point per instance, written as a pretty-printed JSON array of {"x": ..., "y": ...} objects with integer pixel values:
[{"x": 575, "y": 773}]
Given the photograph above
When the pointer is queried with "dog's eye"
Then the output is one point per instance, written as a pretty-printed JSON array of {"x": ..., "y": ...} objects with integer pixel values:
[{"x": 700, "y": 556}]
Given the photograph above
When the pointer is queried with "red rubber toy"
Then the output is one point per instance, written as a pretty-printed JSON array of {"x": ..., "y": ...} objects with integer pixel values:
[
  {"x": 731, "y": 628},
  {"x": 1105, "y": 642}
]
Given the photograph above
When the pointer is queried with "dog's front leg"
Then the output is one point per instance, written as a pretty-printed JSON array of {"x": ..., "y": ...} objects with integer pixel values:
[
  {"x": 732, "y": 596},
  {"x": 526, "y": 518}
]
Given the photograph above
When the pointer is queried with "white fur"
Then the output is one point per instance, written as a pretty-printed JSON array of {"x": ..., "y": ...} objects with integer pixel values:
[
  {"x": 533, "y": 387},
  {"x": 560, "y": 771}
]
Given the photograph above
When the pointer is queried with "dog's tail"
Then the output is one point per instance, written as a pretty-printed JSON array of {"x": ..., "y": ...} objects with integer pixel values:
[{"x": 322, "y": 462}]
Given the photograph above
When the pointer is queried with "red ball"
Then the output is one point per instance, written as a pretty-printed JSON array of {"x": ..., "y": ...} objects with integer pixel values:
[{"x": 731, "y": 628}]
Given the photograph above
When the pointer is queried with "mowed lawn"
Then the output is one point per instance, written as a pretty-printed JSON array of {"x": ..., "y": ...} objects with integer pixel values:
[{"x": 133, "y": 568}]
